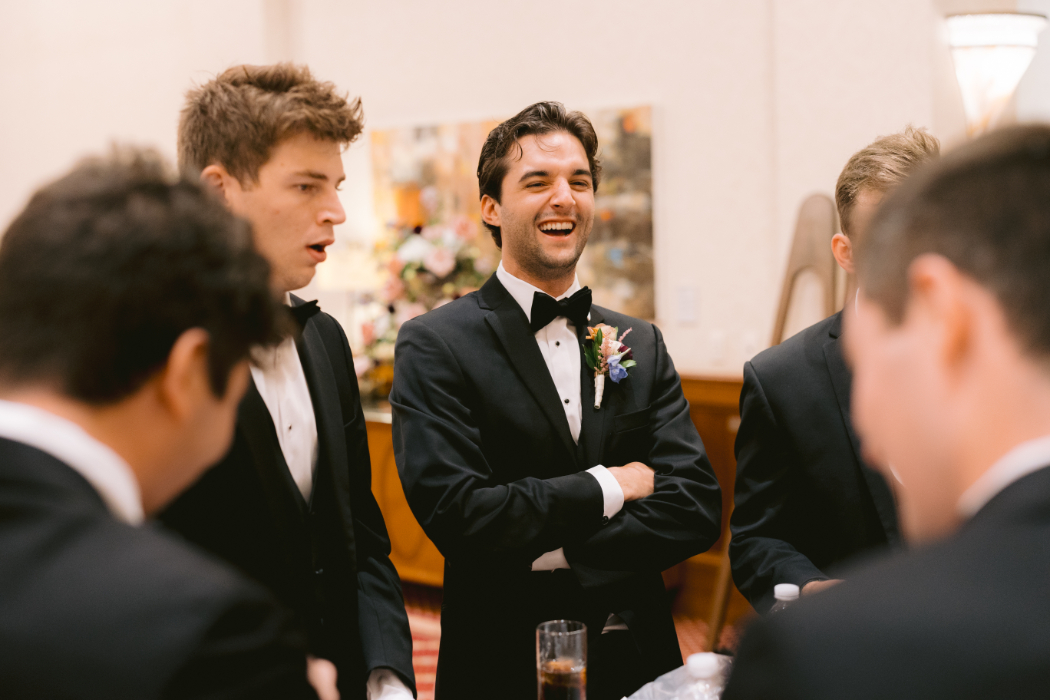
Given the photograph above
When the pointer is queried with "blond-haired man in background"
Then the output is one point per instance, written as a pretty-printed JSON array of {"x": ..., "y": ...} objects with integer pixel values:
[{"x": 805, "y": 500}]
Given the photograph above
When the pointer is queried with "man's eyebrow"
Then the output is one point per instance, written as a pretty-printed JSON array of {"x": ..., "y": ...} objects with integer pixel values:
[
  {"x": 314, "y": 175},
  {"x": 534, "y": 173},
  {"x": 581, "y": 171}
]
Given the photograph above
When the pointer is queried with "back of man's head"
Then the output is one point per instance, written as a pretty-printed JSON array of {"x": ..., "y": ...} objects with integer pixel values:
[
  {"x": 880, "y": 166},
  {"x": 985, "y": 207},
  {"x": 106, "y": 267},
  {"x": 236, "y": 119}
]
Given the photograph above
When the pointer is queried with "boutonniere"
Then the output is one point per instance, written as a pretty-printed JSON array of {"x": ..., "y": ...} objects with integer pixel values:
[{"x": 607, "y": 355}]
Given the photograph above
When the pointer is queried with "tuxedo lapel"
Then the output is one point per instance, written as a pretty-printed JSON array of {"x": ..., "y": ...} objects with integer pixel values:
[
  {"x": 511, "y": 326},
  {"x": 592, "y": 428},
  {"x": 283, "y": 496},
  {"x": 841, "y": 380},
  {"x": 331, "y": 471}
]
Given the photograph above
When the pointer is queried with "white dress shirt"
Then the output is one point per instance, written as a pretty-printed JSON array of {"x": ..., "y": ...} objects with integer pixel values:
[
  {"x": 1019, "y": 462},
  {"x": 104, "y": 469},
  {"x": 560, "y": 349},
  {"x": 279, "y": 377}
]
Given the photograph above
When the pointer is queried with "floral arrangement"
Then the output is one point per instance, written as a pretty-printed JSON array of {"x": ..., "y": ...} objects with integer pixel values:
[
  {"x": 607, "y": 355},
  {"x": 427, "y": 267}
]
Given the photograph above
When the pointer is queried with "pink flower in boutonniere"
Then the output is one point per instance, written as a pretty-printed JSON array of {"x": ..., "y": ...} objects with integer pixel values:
[{"x": 607, "y": 355}]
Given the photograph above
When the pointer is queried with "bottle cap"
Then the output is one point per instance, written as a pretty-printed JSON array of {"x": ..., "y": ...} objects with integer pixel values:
[
  {"x": 785, "y": 591},
  {"x": 703, "y": 665}
]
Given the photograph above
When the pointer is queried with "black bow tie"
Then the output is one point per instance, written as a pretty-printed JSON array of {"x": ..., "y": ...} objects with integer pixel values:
[
  {"x": 575, "y": 308},
  {"x": 304, "y": 312}
]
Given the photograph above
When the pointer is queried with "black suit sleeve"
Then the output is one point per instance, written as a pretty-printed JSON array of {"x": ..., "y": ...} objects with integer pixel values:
[
  {"x": 251, "y": 651},
  {"x": 446, "y": 477},
  {"x": 760, "y": 555},
  {"x": 386, "y": 639},
  {"x": 683, "y": 515}
]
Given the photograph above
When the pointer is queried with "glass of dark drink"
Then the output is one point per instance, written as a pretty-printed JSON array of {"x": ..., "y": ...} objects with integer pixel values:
[{"x": 561, "y": 660}]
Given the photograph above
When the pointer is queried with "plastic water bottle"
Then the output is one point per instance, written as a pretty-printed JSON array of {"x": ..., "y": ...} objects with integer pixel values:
[
  {"x": 705, "y": 674},
  {"x": 786, "y": 594}
]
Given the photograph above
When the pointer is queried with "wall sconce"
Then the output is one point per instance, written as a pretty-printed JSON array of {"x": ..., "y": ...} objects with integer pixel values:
[{"x": 991, "y": 52}]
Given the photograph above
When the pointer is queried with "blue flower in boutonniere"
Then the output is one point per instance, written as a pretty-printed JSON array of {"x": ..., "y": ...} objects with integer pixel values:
[{"x": 607, "y": 355}]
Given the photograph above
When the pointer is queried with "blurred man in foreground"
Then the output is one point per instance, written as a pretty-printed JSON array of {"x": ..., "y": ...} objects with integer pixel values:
[
  {"x": 951, "y": 353},
  {"x": 291, "y": 503},
  {"x": 128, "y": 304},
  {"x": 805, "y": 500}
]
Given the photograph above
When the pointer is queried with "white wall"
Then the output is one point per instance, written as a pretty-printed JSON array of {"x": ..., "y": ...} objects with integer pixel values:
[{"x": 757, "y": 103}]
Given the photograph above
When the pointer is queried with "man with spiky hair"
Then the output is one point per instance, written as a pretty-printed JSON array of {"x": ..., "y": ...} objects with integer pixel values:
[
  {"x": 291, "y": 503},
  {"x": 507, "y": 409}
]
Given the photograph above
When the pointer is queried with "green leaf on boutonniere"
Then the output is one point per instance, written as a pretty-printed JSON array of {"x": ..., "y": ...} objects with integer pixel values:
[
  {"x": 590, "y": 355},
  {"x": 627, "y": 364}
]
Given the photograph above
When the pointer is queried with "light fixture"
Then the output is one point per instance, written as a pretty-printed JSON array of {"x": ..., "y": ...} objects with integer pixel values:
[{"x": 991, "y": 52}]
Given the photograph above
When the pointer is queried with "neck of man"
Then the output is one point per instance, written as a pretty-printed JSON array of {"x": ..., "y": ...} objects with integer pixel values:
[
  {"x": 119, "y": 426},
  {"x": 555, "y": 284}
]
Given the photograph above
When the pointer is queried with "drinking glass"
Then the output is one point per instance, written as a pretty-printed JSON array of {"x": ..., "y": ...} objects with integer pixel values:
[{"x": 561, "y": 660}]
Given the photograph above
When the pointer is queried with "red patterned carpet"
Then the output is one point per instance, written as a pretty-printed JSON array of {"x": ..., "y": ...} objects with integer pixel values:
[{"x": 424, "y": 614}]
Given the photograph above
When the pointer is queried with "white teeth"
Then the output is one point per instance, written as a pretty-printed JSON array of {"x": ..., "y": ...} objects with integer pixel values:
[{"x": 558, "y": 226}]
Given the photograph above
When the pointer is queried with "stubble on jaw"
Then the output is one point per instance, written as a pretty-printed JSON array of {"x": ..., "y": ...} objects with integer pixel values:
[{"x": 529, "y": 253}]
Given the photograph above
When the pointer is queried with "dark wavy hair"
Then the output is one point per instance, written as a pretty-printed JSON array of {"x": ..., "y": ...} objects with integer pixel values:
[
  {"x": 540, "y": 118},
  {"x": 106, "y": 267}
]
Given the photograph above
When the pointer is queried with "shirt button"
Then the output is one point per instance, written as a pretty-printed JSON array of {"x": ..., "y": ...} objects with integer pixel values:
[
  {"x": 557, "y": 343},
  {"x": 566, "y": 401},
  {"x": 605, "y": 520}
]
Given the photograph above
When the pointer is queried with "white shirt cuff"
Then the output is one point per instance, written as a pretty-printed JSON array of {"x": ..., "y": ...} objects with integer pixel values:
[
  {"x": 384, "y": 684},
  {"x": 611, "y": 491},
  {"x": 551, "y": 561}
]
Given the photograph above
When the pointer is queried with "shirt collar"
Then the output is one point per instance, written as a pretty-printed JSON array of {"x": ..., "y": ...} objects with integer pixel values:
[
  {"x": 1019, "y": 462},
  {"x": 66, "y": 441},
  {"x": 523, "y": 292}
]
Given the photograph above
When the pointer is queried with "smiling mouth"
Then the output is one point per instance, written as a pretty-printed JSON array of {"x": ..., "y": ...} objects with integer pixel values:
[
  {"x": 317, "y": 246},
  {"x": 558, "y": 228}
]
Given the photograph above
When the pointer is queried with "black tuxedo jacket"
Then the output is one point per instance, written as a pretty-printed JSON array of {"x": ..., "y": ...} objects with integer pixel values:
[
  {"x": 804, "y": 500},
  {"x": 491, "y": 472},
  {"x": 328, "y": 560},
  {"x": 966, "y": 618},
  {"x": 91, "y": 607}
]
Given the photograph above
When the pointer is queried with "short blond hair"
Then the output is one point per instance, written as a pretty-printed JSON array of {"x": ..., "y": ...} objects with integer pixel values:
[
  {"x": 236, "y": 119},
  {"x": 882, "y": 165}
]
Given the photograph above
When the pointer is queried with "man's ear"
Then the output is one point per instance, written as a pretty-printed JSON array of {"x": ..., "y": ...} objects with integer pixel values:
[
  {"x": 490, "y": 213},
  {"x": 216, "y": 177},
  {"x": 185, "y": 378},
  {"x": 937, "y": 291},
  {"x": 842, "y": 249}
]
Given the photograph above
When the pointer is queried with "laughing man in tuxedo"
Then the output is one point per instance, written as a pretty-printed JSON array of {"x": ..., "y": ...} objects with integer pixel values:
[
  {"x": 291, "y": 504},
  {"x": 950, "y": 347},
  {"x": 129, "y": 301},
  {"x": 805, "y": 501},
  {"x": 500, "y": 445}
]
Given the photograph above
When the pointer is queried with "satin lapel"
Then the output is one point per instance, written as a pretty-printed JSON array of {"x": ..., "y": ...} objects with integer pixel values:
[
  {"x": 511, "y": 326},
  {"x": 256, "y": 425},
  {"x": 841, "y": 380},
  {"x": 592, "y": 428},
  {"x": 332, "y": 464}
]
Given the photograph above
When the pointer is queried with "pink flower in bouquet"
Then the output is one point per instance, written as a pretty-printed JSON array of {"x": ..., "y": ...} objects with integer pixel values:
[
  {"x": 392, "y": 290},
  {"x": 395, "y": 266},
  {"x": 432, "y": 233},
  {"x": 610, "y": 345},
  {"x": 464, "y": 228},
  {"x": 368, "y": 332},
  {"x": 407, "y": 312},
  {"x": 440, "y": 261}
]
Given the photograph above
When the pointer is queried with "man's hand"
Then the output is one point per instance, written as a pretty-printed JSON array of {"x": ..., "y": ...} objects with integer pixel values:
[
  {"x": 818, "y": 586},
  {"x": 322, "y": 674},
  {"x": 635, "y": 480}
]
